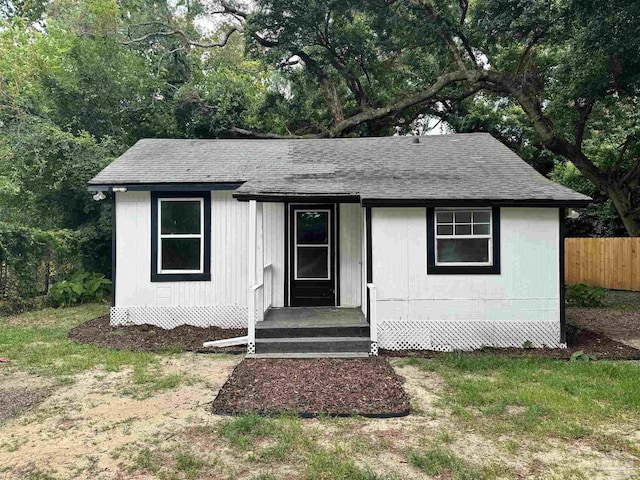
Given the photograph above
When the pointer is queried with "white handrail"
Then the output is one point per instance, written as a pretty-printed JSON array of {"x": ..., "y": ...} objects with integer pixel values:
[
  {"x": 267, "y": 292},
  {"x": 373, "y": 312}
]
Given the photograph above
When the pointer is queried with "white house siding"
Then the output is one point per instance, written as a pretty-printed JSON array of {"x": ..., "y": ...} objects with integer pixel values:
[
  {"x": 221, "y": 301},
  {"x": 273, "y": 218},
  {"x": 350, "y": 239},
  {"x": 444, "y": 312}
]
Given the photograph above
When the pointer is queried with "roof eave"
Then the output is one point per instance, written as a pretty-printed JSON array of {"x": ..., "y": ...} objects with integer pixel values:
[
  {"x": 162, "y": 187},
  {"x": 298, "y": 197},
  {"x": 433, "y": 202}
]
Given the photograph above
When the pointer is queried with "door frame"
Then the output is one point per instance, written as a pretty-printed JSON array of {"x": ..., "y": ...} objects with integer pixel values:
[{"x": 289, "y": 231}]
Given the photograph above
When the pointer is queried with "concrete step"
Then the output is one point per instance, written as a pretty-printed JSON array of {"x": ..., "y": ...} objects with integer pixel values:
[
  {"x": 264, "y": 330},
  {"x": 313, "y": 345},
  {"x": 309, "y": 355}
]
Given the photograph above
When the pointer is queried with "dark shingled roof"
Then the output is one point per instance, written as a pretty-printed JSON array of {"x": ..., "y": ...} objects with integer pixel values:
[{"x": 472, "y": 166}]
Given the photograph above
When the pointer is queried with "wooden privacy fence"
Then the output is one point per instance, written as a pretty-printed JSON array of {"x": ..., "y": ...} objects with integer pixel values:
[{"x": 603, "y": 262}]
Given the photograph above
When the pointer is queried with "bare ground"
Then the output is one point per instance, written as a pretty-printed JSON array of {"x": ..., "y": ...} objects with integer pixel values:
[
  {"x": 620, "y": 325},
  {"x": 93, "y": 428}
]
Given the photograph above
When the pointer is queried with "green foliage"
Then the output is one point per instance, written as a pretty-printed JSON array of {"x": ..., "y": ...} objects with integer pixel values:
[
  {"x": 25, "y": 249},
  {"x": 581, "y": 295},
  {"x": 80, "y": 287},
  {"x": 580, "y": 356}
]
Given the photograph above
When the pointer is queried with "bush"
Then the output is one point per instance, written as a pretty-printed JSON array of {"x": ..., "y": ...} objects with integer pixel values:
[
  {"x": 581, "y": 295},
  {"x": 79, "y": 288}
]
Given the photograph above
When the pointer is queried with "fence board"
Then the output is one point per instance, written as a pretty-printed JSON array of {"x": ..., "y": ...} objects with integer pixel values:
[{"x": 603, "y": 262}]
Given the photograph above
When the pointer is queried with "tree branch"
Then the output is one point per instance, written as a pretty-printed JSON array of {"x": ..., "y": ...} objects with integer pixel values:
[
  {"x": 584, "y": 109},
  {"x": 185, "y": 39}
]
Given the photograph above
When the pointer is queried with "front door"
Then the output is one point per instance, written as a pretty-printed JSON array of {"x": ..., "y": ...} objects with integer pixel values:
[{"x": 312, "y": 255}]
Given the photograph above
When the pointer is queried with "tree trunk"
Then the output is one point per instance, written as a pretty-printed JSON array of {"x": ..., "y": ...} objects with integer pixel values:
[{"x": 621, "y": 200}]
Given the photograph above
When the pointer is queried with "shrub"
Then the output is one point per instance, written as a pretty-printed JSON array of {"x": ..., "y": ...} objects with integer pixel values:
[
  {"x": 79, "y": 288},
  {"x": 581, "y": 295}
]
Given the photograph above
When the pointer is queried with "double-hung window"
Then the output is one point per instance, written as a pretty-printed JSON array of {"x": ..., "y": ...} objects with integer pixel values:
[
  {"x": 180, "y": 237},
  {"x": 464, "y": 240}
]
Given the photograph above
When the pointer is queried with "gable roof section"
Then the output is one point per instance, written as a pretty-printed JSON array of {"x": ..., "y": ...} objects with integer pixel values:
[{"x": 443, "y": 168}]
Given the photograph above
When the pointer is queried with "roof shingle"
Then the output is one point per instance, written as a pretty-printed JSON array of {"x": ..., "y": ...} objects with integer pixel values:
[{"x": 442, "y": 167}]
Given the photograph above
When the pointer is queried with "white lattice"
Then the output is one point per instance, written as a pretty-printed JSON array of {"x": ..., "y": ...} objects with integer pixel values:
[
  {"x": 374, "y": 349},
  {"x": 449, "y": 335},
  {"x": 223, "y": 316},
  {"x": 251, "y": 348}
]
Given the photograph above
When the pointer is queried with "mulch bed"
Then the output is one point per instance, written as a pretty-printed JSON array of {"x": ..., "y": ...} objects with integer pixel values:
[
  {"x": 620, "y": 324},
  {"x": 578, "y": 339},
  {"x": 13, "y": 402},
  {"x": 337, "y": 387},
  {"x": 98, "y": 332}
]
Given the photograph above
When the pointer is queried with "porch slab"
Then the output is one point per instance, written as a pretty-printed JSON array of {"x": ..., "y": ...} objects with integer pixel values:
[{"x": 293, "y": 317}]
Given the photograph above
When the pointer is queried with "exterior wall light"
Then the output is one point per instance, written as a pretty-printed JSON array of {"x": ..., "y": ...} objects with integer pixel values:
[
  {"x": 99, "y": 196},
  {"x": 572, "y": 214}
]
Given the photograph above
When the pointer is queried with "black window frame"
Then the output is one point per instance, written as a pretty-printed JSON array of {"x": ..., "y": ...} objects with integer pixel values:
[
  {"x": 181, "y": 277},
  {"x": 493, "y": 269}
]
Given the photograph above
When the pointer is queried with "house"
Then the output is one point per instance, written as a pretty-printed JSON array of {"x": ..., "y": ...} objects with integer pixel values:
[{"x": 437, "y": 242}]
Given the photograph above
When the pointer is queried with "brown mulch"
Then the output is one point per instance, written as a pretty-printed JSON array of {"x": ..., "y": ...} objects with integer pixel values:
[
  {"x": 15, "y": 401},
  {"x": 578, "y": 339},
  {"x": 98, "y": 332},
  {"x": 616, "y": 324},
  {"x": 338, "y": 387}
]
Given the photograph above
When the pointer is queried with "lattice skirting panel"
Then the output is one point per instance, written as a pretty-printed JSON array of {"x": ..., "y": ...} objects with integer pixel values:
[
  {"x": 223, "y": 316},
  {"x": 449, "y": 335}
]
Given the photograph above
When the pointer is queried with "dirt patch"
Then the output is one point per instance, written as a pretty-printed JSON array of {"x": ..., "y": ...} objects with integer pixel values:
[
  {"x": 81, "y": 430},
  {"x": 368, "y": 387},
  {"x": 13, "y": 402},
  {"x": 98, "y": 332},
  {"x": 620, "y": 325},
  {"x": 578, "y": 339}
]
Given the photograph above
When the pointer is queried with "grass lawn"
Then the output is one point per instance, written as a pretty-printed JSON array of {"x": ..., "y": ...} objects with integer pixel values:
[
  {"x": 37, "y": 343},
  {"x": 121, "y": 414}
]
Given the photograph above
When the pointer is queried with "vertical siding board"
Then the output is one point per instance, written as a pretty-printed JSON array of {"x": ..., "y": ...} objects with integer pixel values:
[
  {"x": 228, "y": 284},
  {"x": 274, "y": 249},
  {"x": 350, "y": 254},
  {"x": 527, "y": 287}
]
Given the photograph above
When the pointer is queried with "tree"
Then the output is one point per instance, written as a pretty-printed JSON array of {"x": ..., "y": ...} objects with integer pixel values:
[{"x": 570, "y": 67}]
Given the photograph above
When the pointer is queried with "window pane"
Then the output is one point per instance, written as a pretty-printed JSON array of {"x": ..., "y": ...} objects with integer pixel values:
[
  {"x": 482, "y": 229},
  {"x": 313, "y": 227},
  {"x": 463, "y": 217},
  {"x": 445, "y": 217},
  {"x": 481, "y": 217},
  {"x": 313, "y": 262},
  {"x": 180, "y": 254},
  {"x": 180, "y": 217},
  {"x": 463, "y": 250},
  {"x": 445, "y": 229},
  {"x": 463, "y": 229}
]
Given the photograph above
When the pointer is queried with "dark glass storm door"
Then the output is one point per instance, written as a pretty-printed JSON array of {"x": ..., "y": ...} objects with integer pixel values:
[{"x": 312, "y": 256}]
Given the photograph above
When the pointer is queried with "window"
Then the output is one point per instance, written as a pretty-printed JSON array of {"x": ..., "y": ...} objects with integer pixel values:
[
  {"x": 464, "y": 240},
  {"x": 312, "y": 246},
  {"x": 180, "y": 237}
]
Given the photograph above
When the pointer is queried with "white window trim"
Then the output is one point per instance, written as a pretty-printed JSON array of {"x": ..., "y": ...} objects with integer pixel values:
[
  {"x": 162, "y": 236},
  {"x": 462, "y": 237},
  {"x": 296, "y": 244}
]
